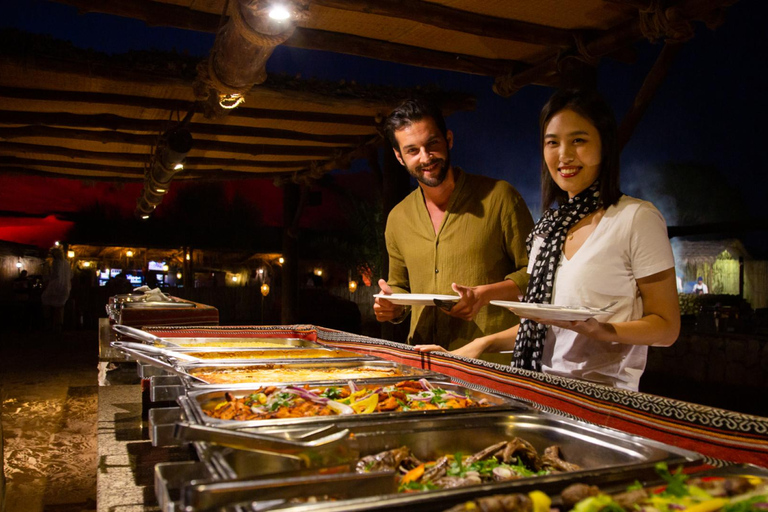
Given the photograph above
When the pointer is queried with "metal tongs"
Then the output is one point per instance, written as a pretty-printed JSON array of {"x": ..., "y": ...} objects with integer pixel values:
[
  {"x": 151, "y": 349},
  {"x": 253, "y": 441}
]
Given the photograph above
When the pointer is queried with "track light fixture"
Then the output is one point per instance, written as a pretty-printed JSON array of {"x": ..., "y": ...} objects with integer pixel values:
[{"x": 167, "y": 161}]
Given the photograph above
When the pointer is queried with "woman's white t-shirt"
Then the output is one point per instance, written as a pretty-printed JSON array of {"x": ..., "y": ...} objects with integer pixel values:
[{"x": 630, "y": 242}]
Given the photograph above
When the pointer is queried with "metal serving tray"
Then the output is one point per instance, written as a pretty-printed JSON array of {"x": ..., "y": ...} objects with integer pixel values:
[
  {"x": 201, "y": 342},
  {"x": 195, "y": 402},
  {"x": 193, "y": 374},
  {"x": 153, "y": 361},
  {"x": 605, "y": 455},
  {"x": 251, "y": 355}
]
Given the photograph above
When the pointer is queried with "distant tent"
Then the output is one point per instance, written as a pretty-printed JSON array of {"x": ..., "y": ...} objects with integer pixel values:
[{"x": 719, "y": 262}]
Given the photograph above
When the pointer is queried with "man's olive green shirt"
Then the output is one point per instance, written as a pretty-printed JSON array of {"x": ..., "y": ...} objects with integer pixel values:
[{"x": 481, "y": 241}]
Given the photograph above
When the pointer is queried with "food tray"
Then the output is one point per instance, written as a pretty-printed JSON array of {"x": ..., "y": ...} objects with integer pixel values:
[
  {"x": 206, "y": 355},
  {"x": 605, "y": 455},
  {"x": 251, "y": 342},
  {"x": 195, "y": 402},
  {"x": 198, "y": 375}
]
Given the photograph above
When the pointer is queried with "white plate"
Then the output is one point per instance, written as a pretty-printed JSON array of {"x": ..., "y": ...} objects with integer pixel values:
[
  {"x": 548, "y": 311},
  {"x": 416, "y": 299}
]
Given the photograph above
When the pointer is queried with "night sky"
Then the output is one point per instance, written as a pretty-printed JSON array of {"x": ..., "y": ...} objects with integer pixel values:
[{"x": 708, "y": 114}]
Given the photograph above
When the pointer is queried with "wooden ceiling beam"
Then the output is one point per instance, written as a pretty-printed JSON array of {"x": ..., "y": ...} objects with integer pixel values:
[
  {"x": 160, "y": 14},
  {"x": 113, "y": 137},
  {"x": 214, "y": 175},
  {"x": 115, "y": 122},
  {"x": 36, "y": 149},
  {"x": 448, "y": 18},
  {"x": 136, "y": 172},
  {"x": 180, "y": 105},
  {"x": 400, "y": 53}
]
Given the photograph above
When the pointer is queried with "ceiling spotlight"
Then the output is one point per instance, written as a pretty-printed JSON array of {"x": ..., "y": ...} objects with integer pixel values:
[
  {"x": 129, "y": 254},
  {"x": 178, "y": 167},
  {"x": 86, "y": 264},
  {"x": 19, "y": 264},
  {"x": 279, "y": 12},
  {"x": 281, "y": 260},
  {"x": 70, "y": 254}
]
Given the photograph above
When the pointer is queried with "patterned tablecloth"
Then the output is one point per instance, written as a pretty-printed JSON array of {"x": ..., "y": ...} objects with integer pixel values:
[{"x": 721, "y": 436}]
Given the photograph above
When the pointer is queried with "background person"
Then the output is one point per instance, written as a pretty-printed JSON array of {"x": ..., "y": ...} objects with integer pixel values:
[
  {"x": 56, "y": 291},
  {"x": 700, "y": 288},
  {"x": 598, "y": 247},
  {"x": 454, "y": 228}
]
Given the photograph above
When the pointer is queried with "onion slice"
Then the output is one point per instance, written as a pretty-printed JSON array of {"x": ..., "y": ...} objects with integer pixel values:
[
  {"x": 340, "y": 408},
  {"x": 306, "y": 395},
  {"x": 426, "y": 384}
]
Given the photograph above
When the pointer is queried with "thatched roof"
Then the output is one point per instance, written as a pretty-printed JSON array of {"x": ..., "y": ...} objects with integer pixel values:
[{"x": 707, "y": 251}]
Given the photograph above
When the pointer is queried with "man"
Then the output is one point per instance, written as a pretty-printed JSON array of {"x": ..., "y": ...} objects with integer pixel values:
[
  {"x": 457, "y": 233},
  {"x": 700, "y": 288}
]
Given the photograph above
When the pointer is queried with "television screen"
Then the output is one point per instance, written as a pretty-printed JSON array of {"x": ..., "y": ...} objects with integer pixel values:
[
  {"x": 135, "y": 280},
  {"x": 156, "y": 265}
]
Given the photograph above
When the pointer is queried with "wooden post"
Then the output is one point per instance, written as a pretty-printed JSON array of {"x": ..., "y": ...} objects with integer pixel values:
[
  {"x": 290, "y": 277},
  {"x": 741, "y": 276},
  {"x": 646, "y": 93}
]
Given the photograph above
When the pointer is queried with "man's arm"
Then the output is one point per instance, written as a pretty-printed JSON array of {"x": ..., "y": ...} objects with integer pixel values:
[
  {"x": 398, "y": 282},
  {"x": 516, "y": 224}
]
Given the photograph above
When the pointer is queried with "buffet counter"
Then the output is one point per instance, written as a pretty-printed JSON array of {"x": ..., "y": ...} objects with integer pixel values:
[
  {"x": 720, "y": 435},
  {"x": 128, "y": 459}
]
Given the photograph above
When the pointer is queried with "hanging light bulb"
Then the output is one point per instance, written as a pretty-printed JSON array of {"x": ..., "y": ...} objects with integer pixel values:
[
  {"x": 279, "y": 12},
  {"x": 265, "y": 289},
  {"x": 352, "y": 286}
]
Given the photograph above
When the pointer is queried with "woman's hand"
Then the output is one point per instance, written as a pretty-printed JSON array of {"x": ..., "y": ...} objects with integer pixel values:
[
  {"x": 589, "y": 327},
  {"x": 473, "y": 349}
]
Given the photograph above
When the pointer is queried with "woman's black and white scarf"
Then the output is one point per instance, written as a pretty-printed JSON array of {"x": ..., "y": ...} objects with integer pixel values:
[{"x": 553, "y": 227}]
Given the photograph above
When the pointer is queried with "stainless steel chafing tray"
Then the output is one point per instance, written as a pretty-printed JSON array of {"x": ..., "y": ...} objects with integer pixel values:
[
  {"x": 162, "y": 361},
  {"x": 196, "y": 402},
  {"x": 170, "y": 387},
  {"x": 605, "y": 455},
  {"x": 194, "y": 374},
  {"x": 212, "y": 342}
]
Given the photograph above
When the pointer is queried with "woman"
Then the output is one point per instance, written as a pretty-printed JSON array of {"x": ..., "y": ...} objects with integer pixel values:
[{"x": 598, "y": 247}]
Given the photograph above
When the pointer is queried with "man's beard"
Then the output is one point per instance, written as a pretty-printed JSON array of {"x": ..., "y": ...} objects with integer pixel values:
[{"x": 441, "y": 175}]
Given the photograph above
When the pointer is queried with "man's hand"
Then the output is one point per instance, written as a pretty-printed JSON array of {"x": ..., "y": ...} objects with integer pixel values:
[
  {"x": 384, "y": 310},
  {"x": 469, "y": 304}
]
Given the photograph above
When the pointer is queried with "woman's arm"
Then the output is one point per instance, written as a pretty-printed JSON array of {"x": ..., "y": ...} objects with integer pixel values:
[
  {"x": 659, "y": 325},
  {"x": 504, "y": 340}
]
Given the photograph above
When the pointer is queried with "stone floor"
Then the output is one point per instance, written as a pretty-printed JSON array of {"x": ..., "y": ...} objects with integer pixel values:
[{"x": 49, "y": 416}]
